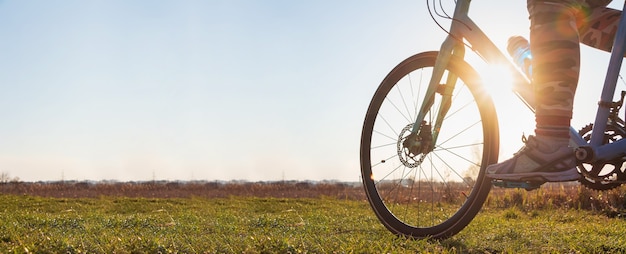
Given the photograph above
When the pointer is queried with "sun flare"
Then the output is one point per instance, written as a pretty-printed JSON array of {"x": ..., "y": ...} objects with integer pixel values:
[
  {"x": 497, "y": 79},
  {"x": 515, "y": 119}
]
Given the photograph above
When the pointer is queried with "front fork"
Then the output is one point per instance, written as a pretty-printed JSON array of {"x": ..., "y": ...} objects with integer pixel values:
[{"x": 423, "y": 136}]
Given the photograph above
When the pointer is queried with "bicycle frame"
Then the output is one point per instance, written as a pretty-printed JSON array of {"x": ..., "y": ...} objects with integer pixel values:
[{"x": 463, "y": 29}]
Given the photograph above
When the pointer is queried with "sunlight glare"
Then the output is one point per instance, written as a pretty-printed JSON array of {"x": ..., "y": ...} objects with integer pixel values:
[
  {"x": 497, "y": 78},
  {"x": 513, "y": 116}
]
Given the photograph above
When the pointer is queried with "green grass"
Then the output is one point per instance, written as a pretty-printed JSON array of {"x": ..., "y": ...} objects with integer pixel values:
[{"x": 276, "y": 225}]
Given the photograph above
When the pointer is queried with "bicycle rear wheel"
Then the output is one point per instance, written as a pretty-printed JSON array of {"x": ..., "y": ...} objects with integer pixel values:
[{"x": 437, "y": 193}]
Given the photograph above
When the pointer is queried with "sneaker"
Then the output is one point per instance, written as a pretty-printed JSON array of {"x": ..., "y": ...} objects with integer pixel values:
[{"x": 540, "y": 160}]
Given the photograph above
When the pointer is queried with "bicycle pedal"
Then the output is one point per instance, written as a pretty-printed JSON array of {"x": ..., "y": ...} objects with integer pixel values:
[{"x": 519, "y": 185}]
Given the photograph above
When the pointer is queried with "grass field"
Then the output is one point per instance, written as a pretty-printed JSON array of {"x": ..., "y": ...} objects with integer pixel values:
[{"x": 509, "y": 223}]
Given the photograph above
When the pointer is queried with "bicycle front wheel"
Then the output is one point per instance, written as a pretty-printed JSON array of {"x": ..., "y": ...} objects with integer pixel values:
[{"x": 438, "y": 192}]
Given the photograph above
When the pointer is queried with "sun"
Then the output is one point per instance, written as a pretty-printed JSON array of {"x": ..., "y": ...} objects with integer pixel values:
[
  {"x": 497, "y": 78},
  {"x": 501, "y": 80},
  {"x": 514, "y": 117}
]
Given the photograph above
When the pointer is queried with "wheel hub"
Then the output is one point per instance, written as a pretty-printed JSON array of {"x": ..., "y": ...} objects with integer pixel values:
[{"x": 412, "y": 148}]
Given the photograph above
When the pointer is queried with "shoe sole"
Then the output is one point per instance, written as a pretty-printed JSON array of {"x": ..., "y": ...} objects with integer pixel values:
[{"x": 561, "y": 176}]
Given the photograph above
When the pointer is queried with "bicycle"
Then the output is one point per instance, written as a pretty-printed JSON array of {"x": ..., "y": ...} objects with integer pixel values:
[{"x": 431, "y": 130}]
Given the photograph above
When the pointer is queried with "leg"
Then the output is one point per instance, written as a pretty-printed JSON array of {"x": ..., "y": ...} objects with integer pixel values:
[{"x": 554, "y": 40}]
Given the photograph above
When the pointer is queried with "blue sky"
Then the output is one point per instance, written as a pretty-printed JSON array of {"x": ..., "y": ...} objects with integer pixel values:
[{"x": 212, "y": 90}]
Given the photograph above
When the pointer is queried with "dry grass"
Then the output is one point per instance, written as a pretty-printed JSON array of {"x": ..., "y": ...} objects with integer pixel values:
[
  {"x": 561, "y": 195},
  {"x": 165, "y": 189},
  {"x": 553, "y": 195}
]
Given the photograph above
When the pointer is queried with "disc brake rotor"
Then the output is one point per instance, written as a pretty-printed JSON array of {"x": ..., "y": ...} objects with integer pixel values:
[{"x": 407, "y": 157}]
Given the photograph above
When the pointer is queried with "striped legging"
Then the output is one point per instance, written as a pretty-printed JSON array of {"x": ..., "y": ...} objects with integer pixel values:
[{"x": 557, "y": 28}]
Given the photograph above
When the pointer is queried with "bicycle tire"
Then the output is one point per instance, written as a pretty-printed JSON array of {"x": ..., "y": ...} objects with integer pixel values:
[{"x": 435, "y": 197}]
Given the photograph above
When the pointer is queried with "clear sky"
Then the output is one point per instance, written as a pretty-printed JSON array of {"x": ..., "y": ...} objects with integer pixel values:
[{"x": 215, "y": 90}]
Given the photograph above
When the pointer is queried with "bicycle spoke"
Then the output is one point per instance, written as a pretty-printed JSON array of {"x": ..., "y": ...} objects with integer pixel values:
[
  {"x": 401, "y": 95},
  {"x": 387, "y": 136},
  {"x": 459, "y": 133},
  {"x": 452, "y": 169},
  {"x": 461, "y": 157},
  {"x": 384, "y": 145},
  {"x": 389, "y": 125},
  {"x": 383, "y": 161},
  {"x": 399, "y": 111}
]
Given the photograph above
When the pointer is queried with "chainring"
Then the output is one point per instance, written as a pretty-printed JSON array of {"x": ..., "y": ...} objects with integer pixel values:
[{"x": 603, "y": 175}]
